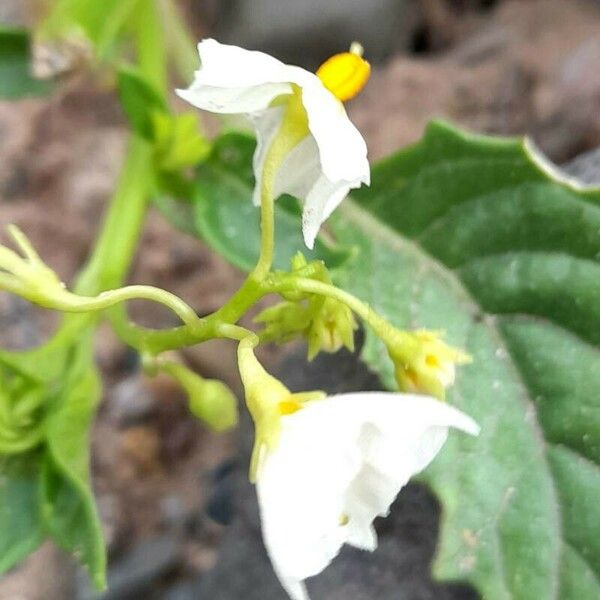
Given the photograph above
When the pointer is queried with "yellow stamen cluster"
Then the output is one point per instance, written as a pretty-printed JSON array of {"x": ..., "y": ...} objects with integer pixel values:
[{"x": 345, "y": 74}]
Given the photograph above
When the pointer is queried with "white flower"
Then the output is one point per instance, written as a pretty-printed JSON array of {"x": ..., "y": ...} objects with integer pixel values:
[
  {"x": 329, "y": 157},
  {"x": 338, "y": 464}
]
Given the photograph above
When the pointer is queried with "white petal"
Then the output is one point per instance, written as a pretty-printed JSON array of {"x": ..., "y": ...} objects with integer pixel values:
[
  {"x": 301, "y": 176},
  {"x": 234, "y": 100},
  {"x": 342, "y": 149},
  {"x": 344, "y": 459},
  {"x": 233, "y": 80},
  {"x": 300, "y": 488},
  {"x": 224, "y": 65},
  {"x": 321, "y": 201},
  {"x": 300, "y": 170},
  {"x": 295, "y": 588}
]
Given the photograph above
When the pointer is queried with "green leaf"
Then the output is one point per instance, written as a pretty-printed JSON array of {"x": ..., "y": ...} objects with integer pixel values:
[
  {"x": 480, "y": 237},
  {"x": 20, "y": 519},
  {"x": 46, "y": 492},
  {"x": 140, "y": 101},
  {"x": 16, "y": 80},
  {"x": 223, "y": 215},
  {"x": 69, "y": 507}
]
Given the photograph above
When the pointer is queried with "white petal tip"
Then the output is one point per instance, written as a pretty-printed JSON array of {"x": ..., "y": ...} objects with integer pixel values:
[
  {"x": 469, "y": 426},
  {"x": 295, "y": 589},
  {"x": 310, "y": 242},
  {"x": 310, "y": 228}
]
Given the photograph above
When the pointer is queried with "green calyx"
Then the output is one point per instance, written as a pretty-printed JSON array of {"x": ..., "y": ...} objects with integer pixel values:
[
  {"x": 268, "y": 400},
  {"x": 324, "y": 322},
  {"x": 423, "y": 362},
  {"x": 209, "y": 399}
]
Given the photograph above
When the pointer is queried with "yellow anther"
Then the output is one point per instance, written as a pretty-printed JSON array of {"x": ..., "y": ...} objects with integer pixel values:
[
  {"x": 289, "y": 407},
  {"x": 432, "y": 361},
  {"x": 345, "y": 74}
]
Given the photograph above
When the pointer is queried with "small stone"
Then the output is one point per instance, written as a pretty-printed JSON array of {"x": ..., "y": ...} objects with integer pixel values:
[
  {"x": 173, "y": 511},
  {"x": 142, "y": 447},
  {"x": 131, "y": 401},
  {"x": 138, "y": 571},
  {"x": 184, "y": 590}
]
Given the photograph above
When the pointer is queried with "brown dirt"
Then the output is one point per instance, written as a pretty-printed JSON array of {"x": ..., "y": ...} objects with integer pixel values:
[{"x": 528, "y": 68}]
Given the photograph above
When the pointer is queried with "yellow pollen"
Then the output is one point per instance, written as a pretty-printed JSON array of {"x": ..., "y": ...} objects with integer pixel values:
[
  {"x": 432, "y": 361},
  {"x": 345, "y": 74},
  {"x": 344, "y": 519},
  {"x": 288, "y": 407}
]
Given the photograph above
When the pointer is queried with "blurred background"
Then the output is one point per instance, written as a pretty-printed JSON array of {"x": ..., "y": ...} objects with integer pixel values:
[{"x": 179, "y": 521}]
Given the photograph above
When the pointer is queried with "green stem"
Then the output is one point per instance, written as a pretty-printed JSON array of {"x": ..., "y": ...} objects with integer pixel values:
[
  {"x": 73, "y": 303},
  {"x": 117, "y": 241},
  {"x": 179, "y": 42},
  {"x": 293, "y": 128},
  {"x": 267, "y": 221},
  {"x": 363, "y": 310},
  {"x": 235, "y": 332},
  {"x": 219, "y": 324},
  {"x": 150, "y": 44},
  {"x": 247, "y": 295}
]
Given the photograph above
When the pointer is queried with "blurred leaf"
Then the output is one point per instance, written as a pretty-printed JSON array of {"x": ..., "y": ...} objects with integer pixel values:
[
  {"x": 69, "y": 506},
  {"x": 20, "y": 518},
  {"x": 46, "y": 491},
  {"x": 479, "y": 236},
  {"x": 140, "y": 101},
  {"x": 224, "y": 216},
  {"x": 16, "y": 80},
  {"x": 178, "y": 143},
  {"x": 99, "y": 22}
]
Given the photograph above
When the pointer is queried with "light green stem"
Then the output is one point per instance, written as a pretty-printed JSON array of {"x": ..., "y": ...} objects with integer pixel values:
[
  {"x": 293, "y": 128},
  {"x": 150, "y": 43},
  {"x": 68, "y": 302},
  {"x": 179, "y": 42},
  {"x": 118, "y": 239}
]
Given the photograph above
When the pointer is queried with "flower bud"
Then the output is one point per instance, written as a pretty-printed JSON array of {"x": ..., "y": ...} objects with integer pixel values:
[
  {"x": 284, "y": 321},
  {"x": 424, "y": 363},
  {"x": 209, "y": 400},
  {"x": 332, "y": 327}
]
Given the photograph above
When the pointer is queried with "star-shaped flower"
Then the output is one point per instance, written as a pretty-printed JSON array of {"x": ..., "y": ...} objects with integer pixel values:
[
  {"x": 307, "y": 146},
  {"x": 338, "y": 464}
]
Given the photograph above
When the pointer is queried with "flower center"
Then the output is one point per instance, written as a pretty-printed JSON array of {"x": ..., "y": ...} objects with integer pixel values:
[{"x": 345, "y": 74}]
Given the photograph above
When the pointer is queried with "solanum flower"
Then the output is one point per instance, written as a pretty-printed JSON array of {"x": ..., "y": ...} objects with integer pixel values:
[
  {"x": 340, "y": 463},
  {"x": 307, "y": 146},
  {"x": 326, "y": 466}
]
